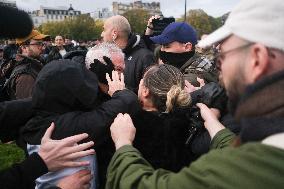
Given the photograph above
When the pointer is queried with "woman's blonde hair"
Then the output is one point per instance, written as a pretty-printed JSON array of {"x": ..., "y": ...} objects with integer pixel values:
[{"x": 166, "y": 87}]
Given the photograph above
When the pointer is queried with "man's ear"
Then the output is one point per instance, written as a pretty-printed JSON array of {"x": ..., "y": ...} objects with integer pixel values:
[
  {"x": 145, "y": 92},
  {"x": 114, "y": 34},
  {"x": 258, "y": 62},
  {"x": 188, "y": 47}
]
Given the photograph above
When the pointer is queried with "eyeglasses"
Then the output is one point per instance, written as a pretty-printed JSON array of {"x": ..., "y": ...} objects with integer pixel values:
[
  {"x": 219, "y": 56},
  {"x": 38, "y": 43}
]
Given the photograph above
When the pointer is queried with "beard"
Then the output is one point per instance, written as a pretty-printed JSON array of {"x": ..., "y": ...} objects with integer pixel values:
[{"x": 235, "y": 91}]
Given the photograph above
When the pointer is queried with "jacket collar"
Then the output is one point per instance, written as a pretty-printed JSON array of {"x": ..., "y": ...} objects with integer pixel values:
[
  {"x": 263, "y": 99},
  {"x": 133, "y": 41},
  {"x": 261, "y": 110}
]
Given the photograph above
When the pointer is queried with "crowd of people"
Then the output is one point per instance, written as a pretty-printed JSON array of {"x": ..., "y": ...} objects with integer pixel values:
[{"x": 149, "y": 111}]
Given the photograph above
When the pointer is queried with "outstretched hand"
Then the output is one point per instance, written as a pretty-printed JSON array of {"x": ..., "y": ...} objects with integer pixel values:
[
  {"x": 59, "y": 154},
  {"x": 122, "y": 130},
  {"x": 150, "y": 27},
  {"x": 116, "y": 83},
  {"x": 189, "y": 88},
  {"x": 211, "y": 119}
]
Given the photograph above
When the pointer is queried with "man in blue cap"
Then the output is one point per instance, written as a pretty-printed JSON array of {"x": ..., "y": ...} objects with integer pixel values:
[{"x": 178, "y": 42}]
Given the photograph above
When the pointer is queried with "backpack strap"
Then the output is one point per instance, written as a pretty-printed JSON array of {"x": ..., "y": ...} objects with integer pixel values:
[{"x": 189, "y": 62}]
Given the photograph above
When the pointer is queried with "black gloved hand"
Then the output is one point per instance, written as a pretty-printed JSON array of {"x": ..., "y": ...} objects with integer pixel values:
[{"x": 100, "y": 69}]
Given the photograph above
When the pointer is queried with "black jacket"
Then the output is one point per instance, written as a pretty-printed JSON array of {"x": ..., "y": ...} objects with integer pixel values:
[
  {"x": 9, "y": 126},
  {"x": 161, "y": 139},
  {"x": 137, "y": 59},
  {"x": 52, "y": 53},
  {"x": 22, "y": 175}
]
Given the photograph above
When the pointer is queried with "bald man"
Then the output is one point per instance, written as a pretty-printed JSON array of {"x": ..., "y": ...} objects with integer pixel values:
[{"x": 117, "y": 29}]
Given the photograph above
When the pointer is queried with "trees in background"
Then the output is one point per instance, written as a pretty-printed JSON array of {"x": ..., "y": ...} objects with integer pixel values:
[
  {"x": 138, "y": 19},
  {"x": 202, "y": 22},
  {"x": 81, "y": 27}
]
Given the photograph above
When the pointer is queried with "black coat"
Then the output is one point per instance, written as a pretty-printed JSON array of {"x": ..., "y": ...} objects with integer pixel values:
[
  {"x": 21, "y": 175},
  {"x": 9, "y": 126},
  {"x": 137, "y": 59},
  {"x": 161, "y": 139}
]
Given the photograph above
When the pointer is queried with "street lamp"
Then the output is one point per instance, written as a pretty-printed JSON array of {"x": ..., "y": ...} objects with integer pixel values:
[{"x": 185, "y": 10}]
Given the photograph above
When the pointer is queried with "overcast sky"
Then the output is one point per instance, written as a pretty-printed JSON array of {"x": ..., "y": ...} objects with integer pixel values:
[{"x": 169, "y": 7}]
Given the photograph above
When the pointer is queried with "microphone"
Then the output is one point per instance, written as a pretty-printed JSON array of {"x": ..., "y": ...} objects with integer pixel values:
[{"x": 14, "y": 23}]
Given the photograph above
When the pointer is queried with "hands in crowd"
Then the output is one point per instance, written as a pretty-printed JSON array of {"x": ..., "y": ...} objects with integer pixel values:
[
  {"x": 59, "y": 154},
  {"x": 211, "y": 119},
  {"x": 122, "y": 130},
  {"x": 150, "y": 27},
  {"x": 190, "y": 88},
  {"x": 79, "y": 180},
  {"x": 116, "y": 83}
]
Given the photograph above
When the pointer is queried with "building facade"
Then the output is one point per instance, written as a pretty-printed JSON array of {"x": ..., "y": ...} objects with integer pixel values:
[
  {"x": 120, "y": 8},
  {"x": 8, "y": 3},
  {"x": 53, "y": 14},
  {"x": 102, "y": 14}
]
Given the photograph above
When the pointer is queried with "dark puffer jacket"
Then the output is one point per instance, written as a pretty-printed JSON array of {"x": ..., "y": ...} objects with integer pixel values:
[{"x": 137, "y": 59}]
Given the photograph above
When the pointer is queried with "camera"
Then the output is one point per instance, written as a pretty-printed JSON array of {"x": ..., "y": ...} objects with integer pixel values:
[{"x": 160, "y": 24}]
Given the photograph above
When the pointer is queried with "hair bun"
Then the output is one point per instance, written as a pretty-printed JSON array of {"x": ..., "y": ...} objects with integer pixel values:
[{"x": 177, "y": 97}]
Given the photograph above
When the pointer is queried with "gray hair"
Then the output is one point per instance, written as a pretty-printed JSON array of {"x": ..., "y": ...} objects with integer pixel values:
[{"x": 100, "y": 50}]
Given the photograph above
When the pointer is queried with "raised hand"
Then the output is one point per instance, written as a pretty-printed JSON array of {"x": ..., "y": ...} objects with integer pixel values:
[
  {"x": 122, "y": 130},
  {"x": 116, "y": 83},
  {"x": 59, "y": 154},
  {"x": 211, "y": 119}
]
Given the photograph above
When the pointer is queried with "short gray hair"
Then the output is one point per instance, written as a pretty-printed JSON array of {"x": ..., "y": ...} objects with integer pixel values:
[{"x": 100, "y": 50}]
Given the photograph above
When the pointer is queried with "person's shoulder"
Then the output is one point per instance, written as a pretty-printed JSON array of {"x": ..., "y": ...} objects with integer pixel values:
[
  {"x": 245, "y": 154},
  {"x": 240, "y": 167}
]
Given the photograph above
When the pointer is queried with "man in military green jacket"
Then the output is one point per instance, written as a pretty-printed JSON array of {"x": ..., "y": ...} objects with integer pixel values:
[{"x": 252, "y": 70}]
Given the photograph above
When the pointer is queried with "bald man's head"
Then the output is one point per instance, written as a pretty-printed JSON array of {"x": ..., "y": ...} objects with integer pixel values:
[{"x": 116, "y": 27}]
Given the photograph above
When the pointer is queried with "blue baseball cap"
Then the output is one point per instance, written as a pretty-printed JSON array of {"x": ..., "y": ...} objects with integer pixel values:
[{"x": 176, "y": 31}]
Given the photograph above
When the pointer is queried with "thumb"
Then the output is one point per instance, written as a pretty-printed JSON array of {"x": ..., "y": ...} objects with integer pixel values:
[
  {"x": 48, "y": 132},
  {"x": 204, "y": 110},
  {"x": 201, "y": 81}
]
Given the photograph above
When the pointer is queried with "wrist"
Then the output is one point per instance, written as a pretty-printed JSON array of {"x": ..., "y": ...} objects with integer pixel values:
[
  {"x": 215, "y": 128},
  {"x": 150, "y": 27},
  {"x": 119, "y": 144}
]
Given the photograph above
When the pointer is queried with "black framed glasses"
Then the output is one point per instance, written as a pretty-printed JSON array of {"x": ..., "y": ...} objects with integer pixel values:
[
  {"x": 39, "y": 43},
  {"x": 219, "y": 56}
]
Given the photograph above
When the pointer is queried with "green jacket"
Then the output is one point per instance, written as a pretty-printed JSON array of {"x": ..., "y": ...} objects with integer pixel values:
[{"x": 252, "y": 165}]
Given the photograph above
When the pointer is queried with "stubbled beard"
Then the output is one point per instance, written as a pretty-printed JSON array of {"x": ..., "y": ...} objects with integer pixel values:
[
  {"x": 233, "y": 104},
  {"x": 234, "y": 95}
]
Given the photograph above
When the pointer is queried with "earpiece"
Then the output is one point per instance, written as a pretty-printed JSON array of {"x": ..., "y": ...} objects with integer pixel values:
[{"x": 114, "y": 37}]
